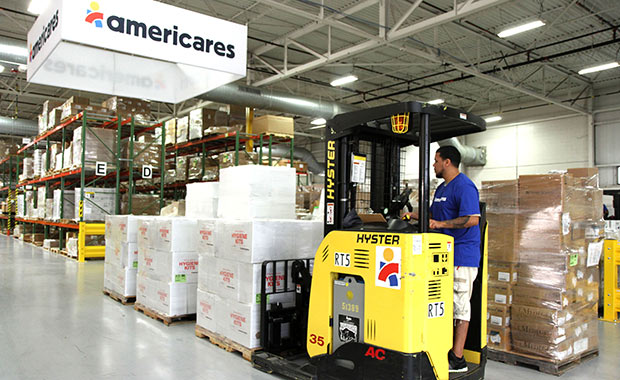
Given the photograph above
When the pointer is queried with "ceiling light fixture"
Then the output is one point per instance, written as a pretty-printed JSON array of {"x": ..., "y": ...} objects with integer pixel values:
[
  {"x": 493, "y": 119},
  {"x": 317, "y": 127},
  {"x": 520, "y": 29},
  {"x": 319, "y": 121},
  {"x": 37, "y": 7},
  {"x": 594, "y": 69},
  {"x": 436, "y": 101},
  {"x": 343, "y": 80}
]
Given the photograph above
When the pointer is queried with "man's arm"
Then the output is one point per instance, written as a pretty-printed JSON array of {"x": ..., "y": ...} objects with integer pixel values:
[{"x": 460, "y": 222}]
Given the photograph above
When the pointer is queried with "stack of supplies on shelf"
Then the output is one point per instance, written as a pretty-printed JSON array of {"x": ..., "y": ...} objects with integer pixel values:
[
  {"x": 167, "y": 265},
  {"x": 100, "y": 146},
  {"x": 66, "y": 208},
  {"x": 98, "y": 203}
]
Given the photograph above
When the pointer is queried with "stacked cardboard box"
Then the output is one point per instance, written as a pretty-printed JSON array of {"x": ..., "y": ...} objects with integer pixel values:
[
  {"x": 126, "y": 108},
  {"x": 100, "y": 146},
  {"x": 7, "y": 148},
  {"x": 170, "y": 127},
  {"x": 227, "y": 159},
  {"x": 121, "y": 254},
  {"x": 98, "y": 202},
  {"x": 233, "y": 247},
  {"x": 146, "y": 151},
  {"x": 270, "y": 124},
  {"x": 182, "y": 129},
  {"x": 180, "y": 173},
  {"x": 502, "y": 211},
  {"x": 544, "y": 242},
  {"x": 68, "y": 205},
  {"x": 141, "y": 204},
  {"x": 28, "y": 172},
  {"x": 202, "y": 199},
  {"x": 168, "y": 266},
  {"x": 48, "y": 105}
]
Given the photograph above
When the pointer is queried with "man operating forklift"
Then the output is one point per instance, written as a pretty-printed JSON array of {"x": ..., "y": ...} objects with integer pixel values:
[{"x": 456, "y": 212}]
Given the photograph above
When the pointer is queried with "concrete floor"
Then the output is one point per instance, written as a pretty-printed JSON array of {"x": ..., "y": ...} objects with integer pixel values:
[{"x": 56, "y": 324}]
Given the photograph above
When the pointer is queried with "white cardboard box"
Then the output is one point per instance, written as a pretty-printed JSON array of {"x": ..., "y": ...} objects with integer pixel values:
[
  {"x": 169, "y": 299},
  {"x": 120, "y": 280},
  {"x": 256, "y": 241},
  {"x": 124, "y": 227},
  {"x": 175, "y": 234},
  {"x": 201, "y": 200},
  {"x": 206, "y": 236},
  {"x": 206, "y": 306},
  {"x": 175, "y": 267}
]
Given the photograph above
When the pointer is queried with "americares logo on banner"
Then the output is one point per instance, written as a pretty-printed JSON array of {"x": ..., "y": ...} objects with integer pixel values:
[
  {"x": 49, "y": 28},
  {"x": 156, "y": 33}
]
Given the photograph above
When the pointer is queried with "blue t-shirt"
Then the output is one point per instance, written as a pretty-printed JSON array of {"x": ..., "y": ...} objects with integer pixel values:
[{"x": 459, "y": 198}]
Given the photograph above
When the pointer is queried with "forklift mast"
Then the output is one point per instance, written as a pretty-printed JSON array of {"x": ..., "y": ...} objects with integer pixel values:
[{"x": 386, "y": 131}]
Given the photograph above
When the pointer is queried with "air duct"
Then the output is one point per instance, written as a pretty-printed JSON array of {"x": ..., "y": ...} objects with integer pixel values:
[
  {"x": 275, "y": 101},
  {"x": 13, "y": 51},
  {"x": 18, "y": 127},
  {"x": 300, "y": 154},
  {"x": 469, "y": 155}
]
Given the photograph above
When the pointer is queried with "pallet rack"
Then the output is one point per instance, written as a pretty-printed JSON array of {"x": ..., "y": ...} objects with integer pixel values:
[{"x": 83, "y": 175}]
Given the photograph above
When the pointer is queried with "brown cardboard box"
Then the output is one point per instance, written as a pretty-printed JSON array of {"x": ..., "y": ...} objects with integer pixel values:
[
  {"x": 144, "y": 153},
  {"x": 541, "y": 314},
  {"x": 270, "y": 124},
  {"x": 78, "y": 100},
  {"x": 498, "y": 338},
  {"x": 54, "y": 117},
  {"x": 503, "y": 272},
  {"x": 500, "y": 196},
  {"x": 564, "y": 351},
  {"x": 503, "y": 237},
  {"x": 543, "y": 297},
  {"x": 171, "y": 131},
  {"x": 227, "y": 159},
  {"x": 498, "y": 315},
  {"x": 585, "y": 177},
  {"x": 499, "y": 293}
]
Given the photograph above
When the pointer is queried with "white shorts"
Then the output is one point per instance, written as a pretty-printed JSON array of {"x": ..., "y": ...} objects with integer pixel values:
[{"x": 463, "y": 284}]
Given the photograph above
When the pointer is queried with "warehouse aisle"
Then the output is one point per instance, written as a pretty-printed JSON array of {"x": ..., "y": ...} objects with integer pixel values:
[{"x": 56, "y": 324}]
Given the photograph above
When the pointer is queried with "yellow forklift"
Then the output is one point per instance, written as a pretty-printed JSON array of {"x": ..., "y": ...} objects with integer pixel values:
[{"x": 376, "y": 302}]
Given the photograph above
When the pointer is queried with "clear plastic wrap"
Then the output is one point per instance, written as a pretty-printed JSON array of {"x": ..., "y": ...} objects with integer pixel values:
[
  {"x": 202, "y": 199},
  {"x": 227, "y": 159},
  {"x": 68, "y": 205},
  {"x": 141, "y": 204},
  {"x": 125, "y": 108},
  {"x": 28, "y": 168},
  {"x": 144, "y": 153},
  {"x": 546, "y": 231},
  {"x": 257, "y": 192},
  {"x": 180, "y": 174},
  {"x": 171, "y": 131},
  {"x": 182, "y": 129},
  {"x": 98, "y": 202},
  {"x": 100, "y": 146}
]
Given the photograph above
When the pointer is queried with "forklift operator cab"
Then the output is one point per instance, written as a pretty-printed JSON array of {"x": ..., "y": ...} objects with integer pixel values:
[{"x": 381, "y": 299}]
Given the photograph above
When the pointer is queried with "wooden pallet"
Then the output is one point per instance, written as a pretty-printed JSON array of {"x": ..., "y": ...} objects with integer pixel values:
[
  {"x": 119, "y": 298},
  {"x": 279, "y": 135},
  {"x": 225, "y": 343},
  {"x": 55, "y": 250},
  {"x": 164, "y": 318},
  {"x": 545, "y": 365}
]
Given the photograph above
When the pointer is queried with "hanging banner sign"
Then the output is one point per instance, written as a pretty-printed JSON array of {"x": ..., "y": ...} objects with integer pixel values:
[{"x": 139, "y": 48}]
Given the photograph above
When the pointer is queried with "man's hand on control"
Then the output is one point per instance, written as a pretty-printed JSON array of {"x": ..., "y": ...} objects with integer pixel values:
[{"x": 410, "y": 215}]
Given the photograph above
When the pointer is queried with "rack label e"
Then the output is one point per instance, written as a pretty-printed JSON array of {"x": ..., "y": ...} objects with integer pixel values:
[{"x": 101, "y": 168}]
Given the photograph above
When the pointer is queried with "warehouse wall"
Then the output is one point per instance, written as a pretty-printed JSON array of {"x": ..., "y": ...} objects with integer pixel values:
[
  {"x": 607, "y": 139},
  {"x": 531, "y": 142}
]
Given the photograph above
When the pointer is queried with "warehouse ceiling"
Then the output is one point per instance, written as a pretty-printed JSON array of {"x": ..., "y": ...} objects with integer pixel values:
[{"x": 399, "y": 49}]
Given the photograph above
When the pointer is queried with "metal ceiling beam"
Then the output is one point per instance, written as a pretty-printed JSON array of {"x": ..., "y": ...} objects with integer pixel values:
[
  {"x": 314, "y": 26},
  {"x": 376, "y": 42},
  {"x": 472, "y": 71}
]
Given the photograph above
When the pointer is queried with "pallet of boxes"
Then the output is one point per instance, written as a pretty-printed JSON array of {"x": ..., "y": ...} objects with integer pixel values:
[
  {"x": 121, "y": 257},
  {"x": 552, "y": 275},
  {"x": 256, "y": 223}
]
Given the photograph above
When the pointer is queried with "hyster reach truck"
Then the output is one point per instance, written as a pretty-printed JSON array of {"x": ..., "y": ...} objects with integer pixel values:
[{"x": 376, "y": 302}]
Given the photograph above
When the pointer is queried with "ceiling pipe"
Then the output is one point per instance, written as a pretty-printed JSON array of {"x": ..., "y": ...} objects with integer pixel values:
[
  {"x": 470, "y": 155},
  {"x": 300, "y": 154},
  {"x": 11, "y": 49},
  {"x": 18, "y": 127},
  {"x": 277, "y": 101}
]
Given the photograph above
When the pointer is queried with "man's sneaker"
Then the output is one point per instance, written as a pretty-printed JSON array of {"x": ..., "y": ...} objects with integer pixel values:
[{"x": 456, "y": 364}]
